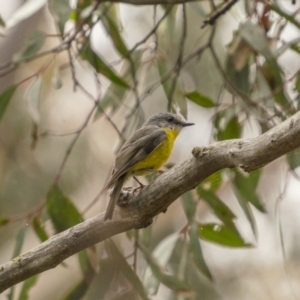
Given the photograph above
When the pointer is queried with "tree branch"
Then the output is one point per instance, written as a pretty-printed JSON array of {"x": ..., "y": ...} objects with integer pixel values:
[{"x": 248, "y": 154}]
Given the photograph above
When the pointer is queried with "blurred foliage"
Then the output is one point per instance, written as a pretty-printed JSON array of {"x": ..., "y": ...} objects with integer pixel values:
[{"x": 255, "y": 86}]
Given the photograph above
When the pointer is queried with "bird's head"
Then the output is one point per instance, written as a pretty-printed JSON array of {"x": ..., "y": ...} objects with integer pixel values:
[{"x": 168, "y": 121}]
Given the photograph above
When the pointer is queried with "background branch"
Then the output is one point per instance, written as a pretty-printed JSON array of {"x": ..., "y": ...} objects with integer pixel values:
[{"x": 248, "y": 154}]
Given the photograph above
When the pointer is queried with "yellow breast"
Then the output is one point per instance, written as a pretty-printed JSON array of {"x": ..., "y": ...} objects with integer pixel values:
[{"x": 159, "y": 156}]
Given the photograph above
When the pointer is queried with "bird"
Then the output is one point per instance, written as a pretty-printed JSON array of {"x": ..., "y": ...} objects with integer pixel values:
[{"x": 143, "y": 153}]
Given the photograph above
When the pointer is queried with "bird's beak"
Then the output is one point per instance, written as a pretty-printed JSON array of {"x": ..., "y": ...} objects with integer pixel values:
[{"x": 187, "y": 124}]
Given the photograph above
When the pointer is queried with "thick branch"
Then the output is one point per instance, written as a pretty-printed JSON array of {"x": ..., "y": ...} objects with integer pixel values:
[{"x": 248, "y": 154}]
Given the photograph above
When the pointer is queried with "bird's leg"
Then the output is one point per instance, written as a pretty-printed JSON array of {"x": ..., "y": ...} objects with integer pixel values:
[
  {"x": 159, "y": 172},
  {"x": 155, "y": 173},
  {"x": 141, "y": 185}
]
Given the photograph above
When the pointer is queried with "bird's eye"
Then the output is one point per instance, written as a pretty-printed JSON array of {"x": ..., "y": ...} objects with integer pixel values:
[{"x": 170, "y": 119}]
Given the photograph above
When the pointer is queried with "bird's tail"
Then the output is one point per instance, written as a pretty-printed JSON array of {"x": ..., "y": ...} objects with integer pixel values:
[{"x": 114, "y": 196}]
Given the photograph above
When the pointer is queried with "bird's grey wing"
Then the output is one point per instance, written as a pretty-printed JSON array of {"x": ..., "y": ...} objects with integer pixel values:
[{"x": 141, "y": 144}]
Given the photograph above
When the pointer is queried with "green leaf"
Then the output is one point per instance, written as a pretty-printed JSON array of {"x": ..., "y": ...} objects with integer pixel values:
[
  {"x": 2, "y": 23},
  {"x": 239, "y": 78},
  {"x": 197, "y": 253},
  {"x": 61, "y": 210},
  {"x": 297, "y": 83},
  {"x": 293, "y": 159},
  {"x": 295, "y": 48},
  {"x": 60, "y": 9},
  {"x": 107, "y": 271},
  {"x": 88, "y": 273},
  {"x": 84, "y": 262},
  {"x": 19, "y": 241},
  {"x": 25, "y": 11},
  {"x": 200, "y": 99},
  {"x": 114, "y": 32},
  {"x": 222, "y": 235},
  {"x": 189, "y": 206},
  {"x": 145, "y": 236},
  {"x": 288, "y": 17},
  {"x": 56, "y": 78},
  {"x": 32, "y": 99},
  {"x": 39, "y": 229},
  {"x": 213, "y": 182},
  {"x": 27, "y": 285},
  {"x": 3, "y": 221},
  {"x": 162, "y": 254},
  {"x": 115, "y": 93},
  {"x": 100, "y": 66},
  {"x": 78, "y": 291},
  {"x": 245, "y": 188},
  {"x": 81, "y": 288},
  {"x": 221, "y": 210},
  {"x": 272, "y": 73},
  {"x": 232, "y": 130},
  {"x": 114, "y": 253},
  {"x": 256, "y": 38},
  {"x": 171, "y": 281},
  {"x": 33, "y": 45},
  {"x": 5, "y": 97},
  {"x": 17, "y": 250}
]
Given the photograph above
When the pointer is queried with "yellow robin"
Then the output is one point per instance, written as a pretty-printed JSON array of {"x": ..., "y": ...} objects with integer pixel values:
[{"x": 144, "y": 152}]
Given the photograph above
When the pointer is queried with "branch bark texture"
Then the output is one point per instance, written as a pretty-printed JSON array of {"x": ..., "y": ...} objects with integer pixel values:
[{"x": 248, "y": 154}]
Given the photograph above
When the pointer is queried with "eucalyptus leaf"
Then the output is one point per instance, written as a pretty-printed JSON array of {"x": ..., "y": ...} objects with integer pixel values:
[
  {"x": 245, "y": 188},
  {"x": 114, "y": 33},
  {"x": 5, "y": 97},
  {"x": 125, "y": 269},
  {"x": 32, "y": 99},
  {"x": 293, "y": 159},
  {"x": 222, "y": 235},
  {"x": 27, "y": 285},
  {"x": 240, "y": 78},
  {"x": 162, "y": 254},
  {"x": 189, "y": 206},
  {"x": 212, "y": 182},
  {"x": 256, "y": 37},
  {"x": 232, "y": 130},
  {"x": 101, "y": 67},
  {"x": 171, "y": 281},
  {"x": 62, "y": 211},
  {"x": 2, "y": 23},
  {"x": 3, "y": 221},
  {"x": 26, "y": 10},
  {"x": 197, "y": 254},
  {"x": 285, "y": 15},
  {"x": 221, "y": 210},
  {"x": 60, "y": 9},
  {"x": 39, "y": 229},
  {"x": 33, "y": 44},
  {"x": 200, "y": 99},
  {"x": 115, "y": 94}
]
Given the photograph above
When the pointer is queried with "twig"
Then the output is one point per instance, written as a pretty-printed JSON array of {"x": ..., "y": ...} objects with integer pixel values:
[{"x": 211, "y": 20}]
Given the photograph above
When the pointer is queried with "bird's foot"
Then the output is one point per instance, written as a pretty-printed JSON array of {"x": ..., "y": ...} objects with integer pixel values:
[{"x": 125, "y": 196}]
